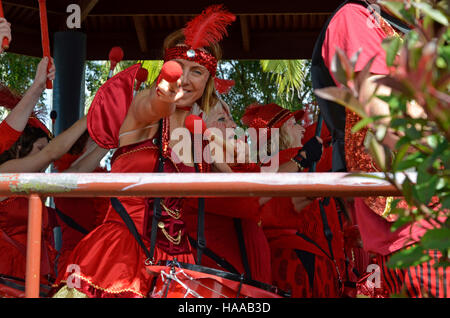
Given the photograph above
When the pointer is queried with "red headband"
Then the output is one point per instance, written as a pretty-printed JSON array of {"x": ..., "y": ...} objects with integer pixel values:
[{"x": 198, "y": 56}]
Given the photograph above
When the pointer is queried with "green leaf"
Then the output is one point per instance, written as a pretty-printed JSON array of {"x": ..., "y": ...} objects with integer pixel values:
[
  {"x": 407, "y": 190},
  {"x": 378, "y": 151},
  {"x": 413, "y": 133},
  {"x": 366, "y": 121},
  {"x": 401, "y": 221},
  {"x": 435, "y": 14},
  {"x": 398, "y": 157},
  {"x": 362, "y": 123},
  {"x": 408, "y": 257},
  {"x": 412, "y": 160},
  {"x": 391, "y": 46},
  {"x": 436, "y": 239},
  {"x": 426, "y": 190},
  {"x": 398, "y": 122},
  {"x": 446, "y": 202}
]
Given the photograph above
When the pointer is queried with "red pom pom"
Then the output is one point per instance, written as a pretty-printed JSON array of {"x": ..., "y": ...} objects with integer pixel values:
[
  {"x": 115, "y": 56},
  {"x": 142, "y": 75},
  {"x": 171, "y": 71},
  {"x": 189, "y": 122}
]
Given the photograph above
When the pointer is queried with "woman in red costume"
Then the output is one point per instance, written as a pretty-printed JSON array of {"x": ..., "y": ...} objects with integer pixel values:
[
  {"x": 231, "y": 224},
  {"x": 111, "y": 261},
  {"x": 301, "y": 258},
  {"x": 31, "y": 153},
  {"x": 21, "y": 107}
]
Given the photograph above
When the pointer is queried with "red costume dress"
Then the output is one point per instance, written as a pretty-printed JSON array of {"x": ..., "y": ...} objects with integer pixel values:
[
  {"x": 349, "y": 30},
  {"x": 84, "y": 214},
  {"x": 222, "y": 237},
  {"x": 304, "y": 268},
  {"x": 13, "y": 244},
  {"x": 111, "y": 262}
]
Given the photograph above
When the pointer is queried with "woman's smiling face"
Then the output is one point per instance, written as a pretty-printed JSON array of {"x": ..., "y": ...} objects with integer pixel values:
[{"x": 193, "y": 82}]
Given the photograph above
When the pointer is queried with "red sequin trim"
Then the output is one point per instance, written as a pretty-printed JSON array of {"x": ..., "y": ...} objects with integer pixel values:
[{"x": 201, "y": 57}]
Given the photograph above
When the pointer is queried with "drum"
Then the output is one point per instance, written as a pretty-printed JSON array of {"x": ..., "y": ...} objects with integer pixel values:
[{"x": 179, "y": 280}]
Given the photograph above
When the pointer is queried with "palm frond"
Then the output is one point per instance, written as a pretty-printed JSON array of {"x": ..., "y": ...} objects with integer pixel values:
[{"x": 289, "y": 75}]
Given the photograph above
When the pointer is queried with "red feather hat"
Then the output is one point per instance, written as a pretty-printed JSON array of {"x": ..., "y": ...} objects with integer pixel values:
[{"x": 204, "y": 30}]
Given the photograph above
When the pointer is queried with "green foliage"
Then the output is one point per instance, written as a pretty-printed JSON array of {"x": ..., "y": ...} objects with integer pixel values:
[
  {"x": 265, "y": 82},
  {"x": 420, "y": 79},
  {"x": 17, "y": 72}
]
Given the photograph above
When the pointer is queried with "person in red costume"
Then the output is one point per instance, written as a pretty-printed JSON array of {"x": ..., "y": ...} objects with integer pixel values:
[
  {"x": 32, "y": 152},
  {"x": 78, "y": 216},
  {"x": 231, "y": 224},
  {"x": 301, "y": 259},
  {"x": 21, "y": 107},
  {"x": 115, "y": 259},
  {"x": 356, "y": 25}
]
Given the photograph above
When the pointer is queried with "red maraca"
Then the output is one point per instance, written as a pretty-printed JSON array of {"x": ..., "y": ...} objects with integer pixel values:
[
  {"x": 171, "y": 71},
  {"x": 115, "y": 56},
  {"x": 189, "y": 122},
  {"x": 5, "y": 41},
  {"x": 141, "y": 77}
]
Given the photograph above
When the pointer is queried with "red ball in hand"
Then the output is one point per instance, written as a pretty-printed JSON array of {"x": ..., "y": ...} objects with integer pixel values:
[
  {"x": 171, "y": 71},
  {"x": 189, "y": 122}
]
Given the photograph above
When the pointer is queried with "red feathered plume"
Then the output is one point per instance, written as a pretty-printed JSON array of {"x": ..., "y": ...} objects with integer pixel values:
[{"x": 209, "y": 27}]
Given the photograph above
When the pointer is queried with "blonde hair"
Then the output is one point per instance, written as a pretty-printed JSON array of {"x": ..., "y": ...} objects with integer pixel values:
[
  {"x": 285, "y": 138},
  {"x": 209, "y": 97}
]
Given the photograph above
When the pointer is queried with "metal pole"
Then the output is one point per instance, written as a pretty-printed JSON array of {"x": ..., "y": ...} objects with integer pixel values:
[
  {"x": 33, "y": 265},
  {"x": 194, "y": 184}
]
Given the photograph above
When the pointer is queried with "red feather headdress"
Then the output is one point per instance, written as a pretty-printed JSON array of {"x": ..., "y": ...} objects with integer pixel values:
[
  {"x": 208, "y": 28},
  {"x": 204, "y": 30}
]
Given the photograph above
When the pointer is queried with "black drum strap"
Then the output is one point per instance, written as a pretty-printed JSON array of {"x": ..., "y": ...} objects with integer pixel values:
[
  {"x": 222, "y": 262},
  {"x": 120, "y": 209},
  {"x": 157, "y": 201},
  {"x": 242, "y": 249},
  {"x": 70, "y": 222},
  {"x": 201, "y": 239}
]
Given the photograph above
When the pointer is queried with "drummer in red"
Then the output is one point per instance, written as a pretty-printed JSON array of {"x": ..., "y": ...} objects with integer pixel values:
[
  {"x": 116, "y": 258},
  {"x": 301, "y": 259},
  {"x": 32, "y": 152},
  {"x": 235, "y": 241}
]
